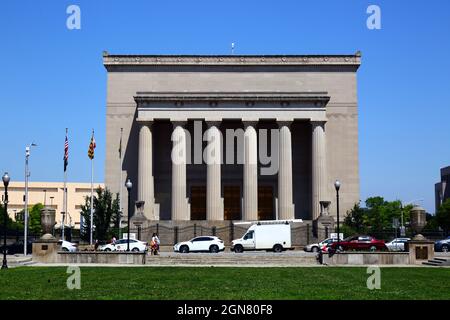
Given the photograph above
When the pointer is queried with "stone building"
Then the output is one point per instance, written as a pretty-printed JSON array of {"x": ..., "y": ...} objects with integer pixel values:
[{"x": 308, "y": 101}]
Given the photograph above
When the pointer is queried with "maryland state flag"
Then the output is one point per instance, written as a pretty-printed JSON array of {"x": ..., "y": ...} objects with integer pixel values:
[{"x": 92, "y": 146}]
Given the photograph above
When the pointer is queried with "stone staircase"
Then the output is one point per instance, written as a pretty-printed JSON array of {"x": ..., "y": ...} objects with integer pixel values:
[
  {"x": 194, "y": 259},
  {"x": 437, "y": 262},
  {"x": 20, "y": 261}
]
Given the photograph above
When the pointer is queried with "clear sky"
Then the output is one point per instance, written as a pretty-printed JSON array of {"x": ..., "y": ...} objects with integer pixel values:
[{"x": 52, "y": 77}]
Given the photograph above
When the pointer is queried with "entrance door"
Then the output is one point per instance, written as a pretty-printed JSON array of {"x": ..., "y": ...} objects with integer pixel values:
[
  {"x": 198, "y": 203},
  {"x": 265, "y": 203},
  {"x": 232, "y": 202}
]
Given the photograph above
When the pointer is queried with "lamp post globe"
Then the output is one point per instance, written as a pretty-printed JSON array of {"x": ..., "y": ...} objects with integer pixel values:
[
  {"x": 337, "y": 186},
  {"x": 129, "y": 185},
  {"x": 5, "y": 180}
]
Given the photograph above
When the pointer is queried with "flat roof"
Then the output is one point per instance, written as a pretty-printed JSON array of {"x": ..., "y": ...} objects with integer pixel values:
[{"x": 234, "y": 60}]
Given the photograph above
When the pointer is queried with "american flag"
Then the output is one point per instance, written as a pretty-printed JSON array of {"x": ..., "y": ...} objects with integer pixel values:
[{"x": 66, "y": 153}]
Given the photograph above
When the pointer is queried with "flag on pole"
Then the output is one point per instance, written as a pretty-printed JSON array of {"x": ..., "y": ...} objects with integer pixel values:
[
  {"x": 66, "y": 153},
  {"x": 120, "y": 144},
  {"x": 92, "y": 146}
]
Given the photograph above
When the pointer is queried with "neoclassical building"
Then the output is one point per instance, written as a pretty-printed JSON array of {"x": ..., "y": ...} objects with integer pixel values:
[{"x": 306, "y": 105}]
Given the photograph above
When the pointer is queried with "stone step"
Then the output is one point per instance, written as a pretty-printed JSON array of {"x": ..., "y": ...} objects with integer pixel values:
[
  {"x": 441, "y": 259},
  {"x": 432, "y": 263}
]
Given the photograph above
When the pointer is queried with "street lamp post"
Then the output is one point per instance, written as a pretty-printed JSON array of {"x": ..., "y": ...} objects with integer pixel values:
[
  {"x": 5, "y": 179},
  {"x": 27, "y": 175},
  {"x": 129, "y": 185},
  {"x": 337, "y": 186}
]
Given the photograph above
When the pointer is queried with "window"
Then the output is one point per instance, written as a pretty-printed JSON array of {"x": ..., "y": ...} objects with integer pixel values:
[
  {"x": 201, "y": 239},
  {"x": 249, "y": 235}
]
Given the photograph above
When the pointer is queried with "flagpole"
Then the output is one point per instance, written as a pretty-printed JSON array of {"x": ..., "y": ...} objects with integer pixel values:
[
  {"x": 120, "y": 185},
  {"x": 92, "y": 193},
  {"x": 64, "y": 198}
]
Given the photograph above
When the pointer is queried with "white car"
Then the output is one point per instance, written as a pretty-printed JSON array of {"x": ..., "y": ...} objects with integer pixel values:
[
  {"x": 314, "y": 247},
  {"x": 67, "y": 246},
  {"x": 200, "y": 244},
  {"x": 398, "y": 244},
  {"x": 122, "y": 245}
]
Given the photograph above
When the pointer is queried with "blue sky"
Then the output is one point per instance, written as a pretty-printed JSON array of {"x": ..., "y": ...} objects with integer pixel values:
[{"x": 52, "y": 78}]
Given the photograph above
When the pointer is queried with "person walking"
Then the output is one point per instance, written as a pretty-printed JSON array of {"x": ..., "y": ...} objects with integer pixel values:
[{"x": 154, "y": 244}]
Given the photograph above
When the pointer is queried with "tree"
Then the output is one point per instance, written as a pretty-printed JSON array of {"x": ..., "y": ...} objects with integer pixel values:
[
  {"x": 376, "y": 216},
  {"x": 35, "y": 219},
  {"x": 105, "y": 213},
  {"x": 443, "y": 216}
]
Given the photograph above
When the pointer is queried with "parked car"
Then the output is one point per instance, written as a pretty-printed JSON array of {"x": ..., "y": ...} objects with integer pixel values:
[
  {"x": 315, "y": 247},
  {"x": 442, "y": 245},
  {"x": 398, "y": 244},
  {"x": 360, "y": 242},
  {"x": 276, "y": 237},
  {"x": 17, "y": 247},
  {"x": 122, "y": 245},
  {"x": 200, "y": 244},
  {"x": 68, "y": 246}
]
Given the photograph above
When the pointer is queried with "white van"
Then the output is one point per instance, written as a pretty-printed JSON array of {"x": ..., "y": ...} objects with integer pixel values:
[{"x": 276, "y": 237}]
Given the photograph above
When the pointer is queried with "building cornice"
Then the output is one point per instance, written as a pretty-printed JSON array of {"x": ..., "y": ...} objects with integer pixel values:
[
  {"x": 321, "y": 98},
  {"x": 231, "y": 60}
]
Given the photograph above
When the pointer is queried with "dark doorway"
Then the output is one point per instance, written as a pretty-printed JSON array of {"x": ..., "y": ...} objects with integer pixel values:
[
  {"x": 198, "y": 203},
  {"x": 265, "y": 203},
  {"x": 232, "y": 202}
]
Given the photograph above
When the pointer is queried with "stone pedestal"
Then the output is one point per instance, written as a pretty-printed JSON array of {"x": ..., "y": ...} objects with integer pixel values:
[
  {"x": 324, "y": 223},
  {"x": 420, "y": 249},
  {"x": 45, "y": 251}
]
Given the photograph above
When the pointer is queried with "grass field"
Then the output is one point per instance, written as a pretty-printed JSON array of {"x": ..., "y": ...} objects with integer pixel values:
[{"x": 224, "y": 283}]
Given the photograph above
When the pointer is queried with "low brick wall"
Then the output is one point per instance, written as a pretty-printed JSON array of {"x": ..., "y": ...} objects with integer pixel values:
[
  {"x": 101, "y": 257},
  {"x": 367, "y": 258}
]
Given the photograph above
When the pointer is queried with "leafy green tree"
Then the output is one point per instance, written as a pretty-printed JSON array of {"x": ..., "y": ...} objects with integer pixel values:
[
  {"x": 377, "y": 215},
  {"x": 10, "y": 223},
  {"x": 443, "y": 216},
  {"x": 356, "y": 219},
  {"x": 106, "y": 213}
]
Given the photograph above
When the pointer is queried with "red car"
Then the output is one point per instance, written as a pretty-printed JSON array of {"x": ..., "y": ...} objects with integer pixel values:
[{"x": 365, "y": 243}]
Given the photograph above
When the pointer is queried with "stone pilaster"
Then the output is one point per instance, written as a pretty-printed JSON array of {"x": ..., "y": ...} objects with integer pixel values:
[
  {"x": 250, "y": 172},
  {"x": 213, "y": 159},
  {"x": 180, "y": 207},
  {"x": 319, "y": 167},
  {"x": 145, "y": 171},
  {"x": 285, "y": 203}
]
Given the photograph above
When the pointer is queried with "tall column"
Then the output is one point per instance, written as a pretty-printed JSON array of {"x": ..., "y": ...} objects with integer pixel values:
[
  {"x": 319, "y": 167},
  {"x": 285, "y": 203},
  {"x": 145, "y": 171},
  {"x": 213, "y": 159},
  {"x": 180, "y": 208},
  {"x": 250, "y": 173}
]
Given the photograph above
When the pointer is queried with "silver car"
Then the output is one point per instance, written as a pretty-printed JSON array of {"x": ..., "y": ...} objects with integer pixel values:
[{"x": 398, "y": 244}]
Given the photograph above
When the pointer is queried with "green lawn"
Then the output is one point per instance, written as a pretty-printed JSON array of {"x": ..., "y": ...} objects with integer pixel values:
[{"x": 224, "y": 283}]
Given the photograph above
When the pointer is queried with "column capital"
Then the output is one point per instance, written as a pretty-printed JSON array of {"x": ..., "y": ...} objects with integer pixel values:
[
  {"x": 284, "y": 123},
  {"x": 146, "y": 123},
  {"x": 316, "y": 123},
  {"x": 179, "y": 123},
  {"x": 213, "y": 123},
  {"x": 250, "y": 123}
]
